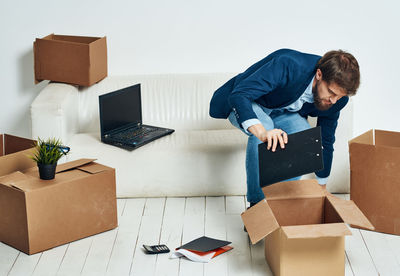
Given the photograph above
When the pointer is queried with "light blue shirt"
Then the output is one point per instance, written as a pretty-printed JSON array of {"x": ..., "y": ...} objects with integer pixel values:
[{"x": 308, "y": 97}]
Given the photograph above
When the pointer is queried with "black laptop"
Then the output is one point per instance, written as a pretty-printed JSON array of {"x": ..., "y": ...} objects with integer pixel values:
[
  {"x": 121, "y": 120},
  {"x": 301, "y": 155}
]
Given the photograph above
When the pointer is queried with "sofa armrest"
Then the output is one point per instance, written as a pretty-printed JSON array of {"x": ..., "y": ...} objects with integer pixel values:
[{"x": 54, "y": 112}]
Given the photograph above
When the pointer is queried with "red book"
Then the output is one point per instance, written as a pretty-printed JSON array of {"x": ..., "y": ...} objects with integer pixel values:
[{"x": 217, "y": 251}]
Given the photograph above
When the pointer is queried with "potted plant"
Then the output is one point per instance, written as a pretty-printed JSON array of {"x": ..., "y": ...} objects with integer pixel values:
[{"x": 46, "y": 156}]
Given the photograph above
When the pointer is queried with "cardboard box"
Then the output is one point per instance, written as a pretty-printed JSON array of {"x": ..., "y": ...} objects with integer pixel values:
[
  {"x": 36, "y": 214},
  {"x": 72, "y": 59},
  {"x": 375, "y": 178},
  {"x": 304, "y": 228}
]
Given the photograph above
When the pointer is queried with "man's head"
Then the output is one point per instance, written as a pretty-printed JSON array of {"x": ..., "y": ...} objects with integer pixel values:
[{"x": 338, "y": 75}]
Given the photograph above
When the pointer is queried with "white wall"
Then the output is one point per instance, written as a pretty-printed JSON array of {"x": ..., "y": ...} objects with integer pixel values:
[{"x": 155, "y": 36}]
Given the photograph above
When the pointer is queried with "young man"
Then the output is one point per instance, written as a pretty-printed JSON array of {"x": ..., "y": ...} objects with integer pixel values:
[{"x": 274, "y": 97}]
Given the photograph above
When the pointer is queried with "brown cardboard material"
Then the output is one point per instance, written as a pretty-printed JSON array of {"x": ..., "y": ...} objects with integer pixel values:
[
  {"x": 304, "y": 228},
  {"x": 13, "y": 153},
  {"x": 1, "y": 145},
  {"x": 374, "y": 178},
  {"x": 10, "y": 144},
  {"x": 36, "y": 215},
  {"x": 71, "y": 59}
]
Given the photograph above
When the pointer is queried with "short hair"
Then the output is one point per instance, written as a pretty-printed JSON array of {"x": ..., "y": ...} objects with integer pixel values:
[{"x": 341, "y": 68}]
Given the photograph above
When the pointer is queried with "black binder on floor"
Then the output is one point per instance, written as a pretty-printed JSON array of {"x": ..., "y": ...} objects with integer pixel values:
[{"x": 204, "y": 244}]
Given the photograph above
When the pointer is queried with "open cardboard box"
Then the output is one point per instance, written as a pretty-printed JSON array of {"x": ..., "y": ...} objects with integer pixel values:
[
  {"x": 304, "y": 228},
  {"x": 36, "y": 214},
  {"x": 375, "y": 178},
  {"x": 77, "y": 60}
]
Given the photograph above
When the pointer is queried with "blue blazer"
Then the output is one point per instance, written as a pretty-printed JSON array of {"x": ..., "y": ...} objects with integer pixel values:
[{"x": 277, "y": 81}]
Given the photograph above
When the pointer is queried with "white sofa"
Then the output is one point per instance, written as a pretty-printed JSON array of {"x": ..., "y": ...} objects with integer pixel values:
[{"x": 204, "y": 156}]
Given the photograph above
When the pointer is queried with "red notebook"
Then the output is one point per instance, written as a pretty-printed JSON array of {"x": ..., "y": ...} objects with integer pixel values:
[{"x": 217, "y": 251}]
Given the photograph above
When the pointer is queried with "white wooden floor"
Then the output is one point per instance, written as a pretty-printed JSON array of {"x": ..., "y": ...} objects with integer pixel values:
[{"x": 174, "y": 221}]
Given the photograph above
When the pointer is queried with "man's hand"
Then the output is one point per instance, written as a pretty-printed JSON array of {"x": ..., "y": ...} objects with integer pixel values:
[{"x": 271, "y": 136}]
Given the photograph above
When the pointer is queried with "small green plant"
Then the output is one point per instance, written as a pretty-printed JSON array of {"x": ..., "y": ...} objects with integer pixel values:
[{"x": 48, "y": 152}]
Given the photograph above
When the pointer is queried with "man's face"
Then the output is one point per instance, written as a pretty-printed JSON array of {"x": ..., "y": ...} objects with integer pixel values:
[{"x": 325, "y": 95}]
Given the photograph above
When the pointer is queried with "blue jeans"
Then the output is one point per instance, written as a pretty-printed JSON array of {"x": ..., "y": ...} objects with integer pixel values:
[{"x": 290, "y": 122}]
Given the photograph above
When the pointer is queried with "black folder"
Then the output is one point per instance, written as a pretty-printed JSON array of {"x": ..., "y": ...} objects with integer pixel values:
[
  {"x": 204, "y": 244},
  {"x": 301, "y": 155}
]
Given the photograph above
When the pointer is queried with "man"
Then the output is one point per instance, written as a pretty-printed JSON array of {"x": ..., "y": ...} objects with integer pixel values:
[{"x": 274, "y": 97}]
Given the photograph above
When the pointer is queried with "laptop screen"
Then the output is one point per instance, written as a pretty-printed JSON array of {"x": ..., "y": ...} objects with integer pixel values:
[{"x": 120, "y": 109}]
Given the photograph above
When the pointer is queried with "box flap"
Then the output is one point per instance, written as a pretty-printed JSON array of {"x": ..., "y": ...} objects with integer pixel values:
[
  {"x": 316, "y": 231},
  {"x": 11, "y": 178},
  {"x": 98, "y": 60},
  {"x": 387, "y": 138},
  {"x": 36, "y": 58},
  {"x": 92, "y": 168},
  {"x": 14, "y": 144},
  {"x": 36, "y": 65},
  {"x": 74, "y": 39},
  {"x": 16, "y": 180},
  {"x": 259, "y": 221},
  {"x": 18, "y": 161},
  {"x": 366, "y": 138},
  {"x": 364, "y": 158},
  {"x": 73, "y": 164},
  {"x": 293, "y": 189},
  {"x": 1, "y": 145},
  {"x": 350, "y": 213},
  {"x": 360, "y": 156}
]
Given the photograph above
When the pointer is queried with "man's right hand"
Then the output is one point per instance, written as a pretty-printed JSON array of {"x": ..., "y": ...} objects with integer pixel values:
[{"x": 271, "y": 136}]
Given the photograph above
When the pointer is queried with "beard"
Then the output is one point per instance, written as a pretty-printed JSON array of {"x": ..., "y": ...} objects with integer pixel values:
[{"x": 319, "y": 102}]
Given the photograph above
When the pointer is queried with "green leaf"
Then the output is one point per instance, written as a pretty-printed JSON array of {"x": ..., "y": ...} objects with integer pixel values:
[{"x": 47, "y": 152}]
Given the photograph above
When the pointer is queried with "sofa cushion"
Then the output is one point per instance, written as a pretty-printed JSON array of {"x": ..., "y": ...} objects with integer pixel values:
[{"x": 213, "y": 160}]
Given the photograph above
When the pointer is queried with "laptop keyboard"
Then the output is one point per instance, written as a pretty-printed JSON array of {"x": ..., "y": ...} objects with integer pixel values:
[{"x": 134, "y": 134}]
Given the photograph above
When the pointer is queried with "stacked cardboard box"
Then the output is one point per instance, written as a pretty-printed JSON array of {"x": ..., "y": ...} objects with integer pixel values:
[
  {"x": 77, "y": 60},
  {"x": 375, "y": 178},
  {"x": 36, "y": 214},
  {"x": 304, "y": 228}
]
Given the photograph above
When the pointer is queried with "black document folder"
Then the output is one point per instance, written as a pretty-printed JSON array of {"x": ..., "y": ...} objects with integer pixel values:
[
  {"x": 204, "y": 244},
  {"x": 301, "y": 155}
]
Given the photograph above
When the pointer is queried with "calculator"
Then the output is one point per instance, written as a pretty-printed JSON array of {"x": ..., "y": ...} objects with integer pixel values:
[{"x": 156, "y": 249}]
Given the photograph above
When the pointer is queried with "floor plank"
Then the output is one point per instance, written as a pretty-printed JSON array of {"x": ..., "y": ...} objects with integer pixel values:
[
  {"x": 381, "y": 252},
  {"x": 149, "y": 233},
  {"x": 258, "y": 263},
  {"x": 193, "y": 228},
  {"x": 215, "y": 227},
  {"x": 121, "y": 202},
  {"x": 8, "y": 256},
  {"x": 394, "y": 244},
  {"x": 25, "y": 264},
  {"x": 171, "y": 235},
  {"x": 125, "y": 242},
  {"x": 50, "y": 261},
  {"x": 358, "y": 255},
  {"x": 75, "y": 257},
  {"x": 239, "y": 259},
  {"x": 235, "y": 205},
  {"x": 347, "y": 267},
  {"x": 99, "y": 253}
]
